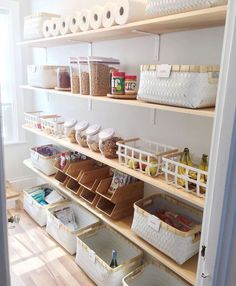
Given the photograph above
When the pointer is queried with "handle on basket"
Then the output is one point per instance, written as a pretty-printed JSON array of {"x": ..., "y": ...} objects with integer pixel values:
[
  {"x": 196, "y": 237},
  {"x": 128, "y": 140}
]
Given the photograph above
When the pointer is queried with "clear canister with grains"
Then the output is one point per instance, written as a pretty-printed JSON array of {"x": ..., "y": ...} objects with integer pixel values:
[
  {"x": 63, "y": 79},
  {"x": 84, "y": 76},
  {"x": 80, "y": 133},
  {"x": 74, "y": 75},
  {"x": 92, "y": 137}
]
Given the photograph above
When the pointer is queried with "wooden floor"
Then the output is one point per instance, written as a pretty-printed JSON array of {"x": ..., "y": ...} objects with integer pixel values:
[{"x": 37, "y": 260}]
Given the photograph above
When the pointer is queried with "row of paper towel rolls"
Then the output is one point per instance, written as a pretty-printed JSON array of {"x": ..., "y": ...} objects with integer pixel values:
[{"x": 118, "y": 12}]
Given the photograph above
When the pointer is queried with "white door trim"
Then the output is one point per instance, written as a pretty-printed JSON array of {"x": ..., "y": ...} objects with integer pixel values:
[{"x": 220, "y": 178}]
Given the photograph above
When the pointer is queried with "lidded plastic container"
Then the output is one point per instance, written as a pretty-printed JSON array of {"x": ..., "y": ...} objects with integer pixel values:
[
  {"x": 80, "y": 133},
  {"x": 63, "y": 79},
  {"x": 92, "y": 137},
  {"x": 107, "y": 143},
  {"x": 100, "y": 70},
  {"x": 84, "y": 76},
  {"x": 74, "y": 75},
  {"x": 69, "y": 126}
]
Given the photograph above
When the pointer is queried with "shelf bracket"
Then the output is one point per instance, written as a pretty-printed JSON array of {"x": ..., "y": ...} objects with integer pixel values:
[
  {"x": 157, "y": 42},
  {"x": 153, "y": 116}
]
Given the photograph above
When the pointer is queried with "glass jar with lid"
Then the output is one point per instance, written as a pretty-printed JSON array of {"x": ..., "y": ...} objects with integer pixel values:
[
  {"x": 92, "y": 137},
  {"x": 80, "y": 133},
  {"x": 74, "y": 75},
  {"x": 69, "y": 128},
  {"x": 107, "y": 143},
  {"x": 84, "y": 76},
  {"x": 63, "y": 79}
]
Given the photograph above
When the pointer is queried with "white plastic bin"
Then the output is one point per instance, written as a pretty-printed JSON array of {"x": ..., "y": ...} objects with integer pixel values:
[
  {"x": 34, "y": 209},
  {"x": 94, "y": 254},
  {"x": 62, "y": 233}
]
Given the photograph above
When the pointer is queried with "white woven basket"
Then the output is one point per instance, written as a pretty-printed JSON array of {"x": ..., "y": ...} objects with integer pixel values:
[
  {"x": 179, "y": 245},
  {"x": 138, "y": 154},
  {"x": 94, "y": 253},
  {"x": 64, "y": 235},
  {"x": 34, "y": 209},
  {"x": 184, "y": 85},
  {"x": 33, "y": 119},
  {"x": 51, "y": 125},
  {"x": 171, "y": 166},
  {"x": 44, "y": 163},
  {"x": 33, "y": 25},
  {"x": 153, "y": 274},
  {"x": 155, "y": 8}
]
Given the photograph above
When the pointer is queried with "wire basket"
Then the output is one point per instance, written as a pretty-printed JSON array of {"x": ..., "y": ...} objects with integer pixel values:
[
  {"x": 33, "y": 119},
  {"x": 50, "y": 124},
  {"x": 143, "y": 155}
]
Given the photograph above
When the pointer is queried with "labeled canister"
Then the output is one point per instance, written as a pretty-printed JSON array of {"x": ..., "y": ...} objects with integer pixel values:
[
  {"x": 130, "y": 84},
  {"x": 118, "y": 83}
]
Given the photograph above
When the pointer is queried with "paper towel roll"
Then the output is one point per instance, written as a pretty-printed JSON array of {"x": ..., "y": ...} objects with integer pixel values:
[
  {"x": 108, "y": 15},
  {"x": 84, "y": 20},
  {"x": 74, "y": 23},
  {"x": 46, "y": 28},
  {"x": 127, "y": 11},
  {"x": 55, "y": 27},
  {"x": 64, "y": 25},
  {"x": 96, "y": 17}
]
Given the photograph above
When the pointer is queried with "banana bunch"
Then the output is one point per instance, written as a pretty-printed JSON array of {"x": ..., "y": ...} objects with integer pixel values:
[{"x": 204, "y": 167}]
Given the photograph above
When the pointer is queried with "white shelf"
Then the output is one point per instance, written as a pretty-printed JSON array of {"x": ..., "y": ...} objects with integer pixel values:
[
  {"x": 205, "y": 112},
  {"x": 187, "y": 271},
  {"x": 198, "y": 19},
  {"x": 156, "y": 182}
]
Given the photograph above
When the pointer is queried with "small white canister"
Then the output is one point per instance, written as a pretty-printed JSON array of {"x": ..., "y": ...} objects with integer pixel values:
[
  {"x": 69, "y": 125},
  {"x": 92, "y": 137},
  {"x": 80, "y": 133}
]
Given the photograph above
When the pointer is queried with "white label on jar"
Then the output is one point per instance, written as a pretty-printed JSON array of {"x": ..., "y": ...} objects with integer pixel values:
[
  {"x": 164, "y": 71},
  {"x": 154, "y": 222},
  {"x": 92, "y": 255}
]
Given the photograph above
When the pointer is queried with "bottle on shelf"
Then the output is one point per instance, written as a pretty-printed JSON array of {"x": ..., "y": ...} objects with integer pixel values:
[
  {"x": 62, "y": 161},
  {"x": 114, "y": 263}
]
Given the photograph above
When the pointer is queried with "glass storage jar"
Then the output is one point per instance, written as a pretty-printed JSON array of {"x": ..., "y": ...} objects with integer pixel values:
[
  {"x": 69, "y": 125},
  {"x": 107, "y": 143},
  {"x": 74, "y": 76},
  {"x": 80, "y": 133},
  {"x": 92, "y": 137},
  {"x": 63, "y": 79},
  {"x": 84, "y": 76},
  {"x": 100, "y": 70}
]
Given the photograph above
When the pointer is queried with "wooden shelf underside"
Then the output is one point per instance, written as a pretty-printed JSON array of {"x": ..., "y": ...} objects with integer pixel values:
[
  {"x": 205, "y": 112},
  {"x": 198, "y": 19},
  {"x": 156, "y": 182},
  {"x": 187, "y": 271}
]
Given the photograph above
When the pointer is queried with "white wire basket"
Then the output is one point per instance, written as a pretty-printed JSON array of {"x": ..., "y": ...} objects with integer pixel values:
[
  {"x": 94, "y": 254},
  {"x": 153, "y": 274},
  {"x": 177, "y": 244},
  {"x": 157, "y": 8},
  {"x": 33, "y": 119},
  {"x": 192, "y": 180},
  {"x": 62, "y": 233},
  {"x": 50, "y": 124},
  {"x": 143, "y": 155}
]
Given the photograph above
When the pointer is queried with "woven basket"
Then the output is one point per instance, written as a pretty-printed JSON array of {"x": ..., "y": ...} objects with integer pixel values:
[
  {"x": 64, "y": 235},
  {"x": 153, "y": 274},
  {"x": 34, "y": 209},
  {"x": 157, "y": 8},
  {"x": 138, "y": 154},
  {"x": 183, "y": 85},
  {"x": 179, "y": 245},
  {"x": 94, "y": 250}
]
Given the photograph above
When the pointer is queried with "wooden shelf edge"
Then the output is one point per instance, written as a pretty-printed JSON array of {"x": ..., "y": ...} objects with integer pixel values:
[
  {"x": 187, "y": 271},
  {"x": 156, "y": 182},
  {"x": 203, "y": 18},
  {"x": 205, "y": 112}
]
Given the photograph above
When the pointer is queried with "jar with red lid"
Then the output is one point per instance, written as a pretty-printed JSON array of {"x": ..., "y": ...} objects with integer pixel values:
[
  {"x": 118, "y": 82},
  {"x": 130, "y": 84}
]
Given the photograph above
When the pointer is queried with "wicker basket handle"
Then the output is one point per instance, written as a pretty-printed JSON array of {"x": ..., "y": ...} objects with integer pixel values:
[{"x": 128, "y": 140}]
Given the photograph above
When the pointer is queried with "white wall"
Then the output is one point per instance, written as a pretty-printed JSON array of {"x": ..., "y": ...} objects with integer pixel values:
[{"x": 194, "y": 47}]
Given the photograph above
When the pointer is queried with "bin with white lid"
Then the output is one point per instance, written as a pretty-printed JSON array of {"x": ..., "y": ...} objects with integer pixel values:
[
  {"x": 80, "y": 133},
  {"x": 107, "y": 143},
  {"x": 92, "y": 137},
  {"x": 69, "y": 126},
  {"x": 84, "y": 75}
]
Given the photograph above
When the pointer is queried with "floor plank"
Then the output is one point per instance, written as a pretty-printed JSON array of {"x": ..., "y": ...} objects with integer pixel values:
[{"x": 37, "y": 260}]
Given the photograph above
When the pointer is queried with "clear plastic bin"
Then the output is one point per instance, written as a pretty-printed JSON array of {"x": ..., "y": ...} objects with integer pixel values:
[
  {"x": 69, "y": 125},
  {"x": 84, "y": 76},
  {"x": 80, "y": 133},
  {"x": 100, "y": 70},
  {"x": 107, "y": 143},
  {"x": 92, "y": 137},
  {"x": 74, "y": 76}
]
